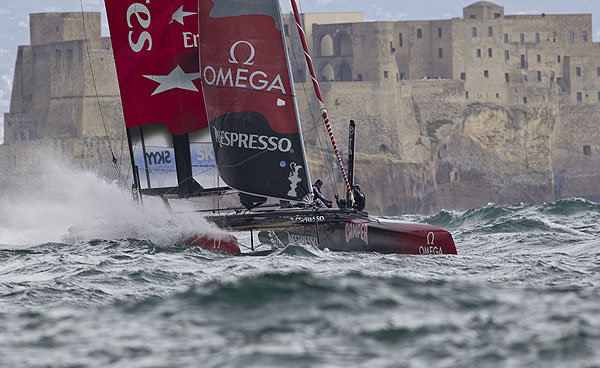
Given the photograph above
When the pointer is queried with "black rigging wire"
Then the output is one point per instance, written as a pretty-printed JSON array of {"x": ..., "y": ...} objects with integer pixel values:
[
  {"x": 326, "y": 159},
  {"x": 114, "y": 159},
  {"x": 316, "y": 125}
]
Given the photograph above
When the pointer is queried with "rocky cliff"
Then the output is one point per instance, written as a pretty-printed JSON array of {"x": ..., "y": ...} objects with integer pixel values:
[{"x": 423, "y": 147}]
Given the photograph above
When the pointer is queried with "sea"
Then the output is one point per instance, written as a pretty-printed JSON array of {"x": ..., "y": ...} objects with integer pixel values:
[{"x": 523, "y": 291}]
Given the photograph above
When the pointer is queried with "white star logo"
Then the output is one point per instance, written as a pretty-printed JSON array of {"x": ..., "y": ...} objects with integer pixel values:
[
  {"x": 179, "y": 15},
  {"x": 176, "y": 79}
]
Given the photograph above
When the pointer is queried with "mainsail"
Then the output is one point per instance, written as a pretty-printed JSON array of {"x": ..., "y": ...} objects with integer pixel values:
[
  {"x": 156, "y": 55},
  {"x": 250, "y": 101}
]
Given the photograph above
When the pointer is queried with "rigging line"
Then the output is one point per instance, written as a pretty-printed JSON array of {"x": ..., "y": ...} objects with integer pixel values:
[
  {"x": 323, "y": 109},
  {"x": 121, "y": 154},
  {"x": 328, "y": 164},
  {"x": 305, "y": 93},
  {"x": 87, "y": 46}
]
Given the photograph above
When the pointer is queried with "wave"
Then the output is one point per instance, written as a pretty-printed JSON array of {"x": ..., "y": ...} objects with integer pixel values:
[
  {"x": 87, "y": 299},
  {"x": 575, "y": 217}
]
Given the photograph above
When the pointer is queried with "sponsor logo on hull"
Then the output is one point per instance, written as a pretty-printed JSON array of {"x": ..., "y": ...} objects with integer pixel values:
[
  {"x": 308, "y": 219},
  {"x": 294, "y": 179},
  {"x": 303, "y": 239},
  {"x": 280, "y": 240},
  {"x": 357, "y": 231},
  {"x": 274, "y": 240},
  {"x": 430, "y": 248}
]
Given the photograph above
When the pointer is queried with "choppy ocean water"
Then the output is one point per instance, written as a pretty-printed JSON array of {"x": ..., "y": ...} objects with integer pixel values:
[{"x": 524, "y": 291}]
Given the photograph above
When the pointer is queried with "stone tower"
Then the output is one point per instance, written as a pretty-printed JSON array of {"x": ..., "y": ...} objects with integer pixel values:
[
  {"x": 54, "y": 94},
  {"x": 65, "y": 92}
]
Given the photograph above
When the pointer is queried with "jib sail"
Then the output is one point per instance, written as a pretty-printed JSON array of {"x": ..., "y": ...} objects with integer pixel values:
[
  {"x": 250, "y": 101},
  {"x": 155, "y": 44}
]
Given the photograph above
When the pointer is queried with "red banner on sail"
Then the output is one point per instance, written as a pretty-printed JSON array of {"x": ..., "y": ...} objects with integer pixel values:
[
  {"x": 250, "y": 100},
  {"x": 155, "y": 44},
  {"x": 244, "y": 61}
]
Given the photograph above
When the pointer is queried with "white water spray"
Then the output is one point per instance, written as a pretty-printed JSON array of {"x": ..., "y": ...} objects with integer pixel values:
[{"x": 63, "y": 204}]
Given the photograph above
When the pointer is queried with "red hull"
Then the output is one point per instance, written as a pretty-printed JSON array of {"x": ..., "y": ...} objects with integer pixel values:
[
  {"x": 220, "y": 244},
  {"x": 342, "y": 231},
  {"x": 407, "y": 238}
]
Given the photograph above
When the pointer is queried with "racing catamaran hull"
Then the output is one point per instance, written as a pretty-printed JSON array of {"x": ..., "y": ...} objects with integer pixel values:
[
  {"x": 209, "y": 105},
  {"x": 340, "y": 230}
]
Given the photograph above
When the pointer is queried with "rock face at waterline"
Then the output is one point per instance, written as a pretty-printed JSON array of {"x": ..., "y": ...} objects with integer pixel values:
[
  {"x": 420, "y": 148},
  {"x": 422, "y": 145}
]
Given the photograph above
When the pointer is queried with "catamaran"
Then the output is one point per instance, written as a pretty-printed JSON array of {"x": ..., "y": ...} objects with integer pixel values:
[{"x": 210, "y": 109}]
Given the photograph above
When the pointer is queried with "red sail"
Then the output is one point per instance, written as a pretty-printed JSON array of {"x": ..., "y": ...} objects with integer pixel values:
[
  {"x": 242, "y": 55},
  {"x": 250, "y": 99},
  {"x": 155, "y": 45}
]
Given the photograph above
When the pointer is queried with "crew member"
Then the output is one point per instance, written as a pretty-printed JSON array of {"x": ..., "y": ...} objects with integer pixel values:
[
  {"x": 359, "y": 198},
  {"x": 320, "y": 199}
]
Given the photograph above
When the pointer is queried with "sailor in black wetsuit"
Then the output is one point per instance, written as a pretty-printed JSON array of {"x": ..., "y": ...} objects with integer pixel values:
[
  {"x": 320, "y": 199},
  {"x": 359, "y": 198}
]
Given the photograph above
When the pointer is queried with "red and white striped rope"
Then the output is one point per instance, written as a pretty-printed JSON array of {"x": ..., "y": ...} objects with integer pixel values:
[{"x": 320, "y": 97}]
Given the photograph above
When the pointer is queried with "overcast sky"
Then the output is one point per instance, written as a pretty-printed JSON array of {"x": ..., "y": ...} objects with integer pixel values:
[{"x": 14, "y": 19}]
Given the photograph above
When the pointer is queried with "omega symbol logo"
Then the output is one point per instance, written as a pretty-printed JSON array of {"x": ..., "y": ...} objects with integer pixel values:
[
  {"x": 430, "y": 238},
  {"x": 233, "y": 60}
]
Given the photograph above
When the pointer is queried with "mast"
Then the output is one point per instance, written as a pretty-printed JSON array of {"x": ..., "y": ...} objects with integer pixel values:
[
  {"x": 320, "y": 98},
  {"x": 351, "y": 156},
  {"x": 135, "y": 186}
]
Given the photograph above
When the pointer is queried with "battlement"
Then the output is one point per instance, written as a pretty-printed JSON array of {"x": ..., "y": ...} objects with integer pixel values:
[{"x": 48, "y": 28}]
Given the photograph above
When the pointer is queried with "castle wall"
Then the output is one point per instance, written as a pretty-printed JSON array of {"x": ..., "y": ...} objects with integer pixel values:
[
  {"x": 59, "y": 101},
  {"x": 422, "y": 144},
  {"x": 531, "y": 65},
  {"x": 102, "y": 101},
  {"x": 577, "y": 169},
  {"x": 48, "y": 28},
  {"x": 309, "y": 21}
]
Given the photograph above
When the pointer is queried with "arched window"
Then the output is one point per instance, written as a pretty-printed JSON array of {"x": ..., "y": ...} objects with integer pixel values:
[
  {"x": 327, "y": 73},
  {"x": 343, "y": 44},
  {"x": 344, "y": 73},
  {"x": 326, "y": 45}
]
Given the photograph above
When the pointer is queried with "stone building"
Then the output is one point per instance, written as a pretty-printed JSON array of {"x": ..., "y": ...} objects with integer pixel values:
[
  {"x": 65, "y": 96},
  {"x": 451, "y": 113},
  {"x": 308, "y": 21},
  {"x": 503, "y": 59},
  {"x": 521, "y": 94}
]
